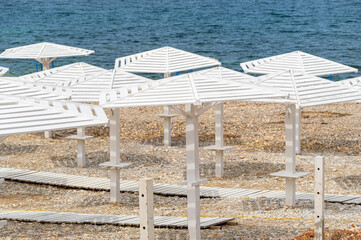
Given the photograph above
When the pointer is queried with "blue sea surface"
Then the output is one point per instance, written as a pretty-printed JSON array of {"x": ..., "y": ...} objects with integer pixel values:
[{"x": 231, "y": 31}]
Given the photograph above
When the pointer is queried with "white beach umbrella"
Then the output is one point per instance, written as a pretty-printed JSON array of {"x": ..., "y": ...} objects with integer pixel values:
[
  {"x": 298, "y": 61},
  {"x": 27, "y": 115},
  {"x": 17, "y": 88},
  {"x": 85, "y": 81},
  {"x": 198, "y": 93},
  {"x": 64, "y": 74},
  {"x": 89, "y": 89},
  {"x": 60, "y": 75},
  {"x": 165, "y": 60},
  {"x": 44, "y": 52},
  {"x": 306, "y": 90}
]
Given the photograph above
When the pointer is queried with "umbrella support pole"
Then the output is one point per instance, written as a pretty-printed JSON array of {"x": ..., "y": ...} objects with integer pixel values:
[
  {"x": 114, "y": 165},
  {"x": 193, "y": 189},
  {"x": 80, "y": 137},
  {"x": 193, "y": 181},
  {"x": 2, "y": 222},
  {"x": 48, "y": 134},
  {"x": 167, "y": 115},
  {"x": 319, "y": 204},
  {"x": 298, "y": 130},
  {"x": 167, "y": 126},
  {"x": 290, "y": 172},
  {"x": 219, "y": 147},
  {"x": 46, "y": 63}
]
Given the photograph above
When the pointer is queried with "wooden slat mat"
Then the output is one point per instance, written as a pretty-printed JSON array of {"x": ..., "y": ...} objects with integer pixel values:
[
  {"x": 93, "y": 183},
  {"x": 122, "y": 220}
]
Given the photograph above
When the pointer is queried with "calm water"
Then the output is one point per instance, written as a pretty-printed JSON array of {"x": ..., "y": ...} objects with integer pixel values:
[{"x": 231, "y": 31}]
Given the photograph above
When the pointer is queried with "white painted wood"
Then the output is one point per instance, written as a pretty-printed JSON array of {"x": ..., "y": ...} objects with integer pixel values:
[
  {"x": 287, "y": 174},
  {"x": 167, "y": 121},
  {"x": 299, "y": 61},
  {"x": 81, "y": 160},
  {"x": 3, "y": 71},
  {"x": 192, "y": 88},
  {"x": 164, "y": 60},
  {"x": 122, "y": 220},
  {"x": 24, "y": 115},
  {"x": 19, "y": 88},
  {"x": 319, "y": 198},
  {"x": 89, "y": 89},
  {"x": 48, "y": 134},
  {"x": 167, "y": 127},
  {"x": 291, "y": 154},
  {"x": 22, "y": 89},
  {"x": 351, "y": 82},
  {"x": 298, "y": 129},
  {"x": 85, "y": 182},
  {"x": 193, "y": 192},
  {"x": 219, "y": 111},
  {"x": 44, "y": 50},
  {"x": 67, "y": 75},
  {"x": 307, "y": 90},
  {"x": 114, "y": 155},
  {"x": 146, "y": 209}
]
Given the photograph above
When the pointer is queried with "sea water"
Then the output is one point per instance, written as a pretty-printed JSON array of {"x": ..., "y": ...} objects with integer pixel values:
[{"x": 231, "y": 31}]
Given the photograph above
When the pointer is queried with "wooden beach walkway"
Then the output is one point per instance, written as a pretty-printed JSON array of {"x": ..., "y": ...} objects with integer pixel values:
[
  {"x": 99, "y": 219},
  {"x": 93, "y": 183}
]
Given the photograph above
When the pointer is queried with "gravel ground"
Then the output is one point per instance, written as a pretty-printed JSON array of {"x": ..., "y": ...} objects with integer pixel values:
[{"x": 256, "y": 131}]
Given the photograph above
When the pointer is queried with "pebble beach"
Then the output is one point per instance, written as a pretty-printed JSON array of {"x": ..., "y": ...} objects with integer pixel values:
[{"x": 256, "y": 130}]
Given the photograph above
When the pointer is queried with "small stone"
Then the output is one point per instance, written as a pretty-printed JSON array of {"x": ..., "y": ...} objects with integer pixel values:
[
  {"x": 215, "y": 227},
  {"x": 232, "y": 223}
]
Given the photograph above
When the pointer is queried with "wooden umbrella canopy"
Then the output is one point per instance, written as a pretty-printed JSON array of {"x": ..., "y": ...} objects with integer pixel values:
[
  {"x": 44, "y": 52},
  {"x": 165, "y": 60}
]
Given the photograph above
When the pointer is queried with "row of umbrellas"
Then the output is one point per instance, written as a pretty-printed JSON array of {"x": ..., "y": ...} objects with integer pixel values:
[{"x": 291, "y": 79}]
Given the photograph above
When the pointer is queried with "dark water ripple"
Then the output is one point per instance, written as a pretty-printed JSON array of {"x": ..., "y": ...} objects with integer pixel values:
[{"x": 231, "y": 31}]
